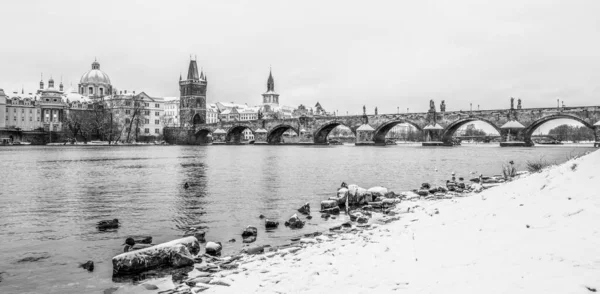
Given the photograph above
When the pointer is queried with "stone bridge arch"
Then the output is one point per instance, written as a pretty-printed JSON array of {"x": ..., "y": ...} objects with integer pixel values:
[
  {"x": 449, "y": 130},
  {"x": 235, "y": 133},
  {"x": 320, "y": 135},
  {"x": 203, "y": 136},
  {"x": 383, "y": 129},
  {"x": 275, "y": 133},
  {"x": 528, "y": 131}
]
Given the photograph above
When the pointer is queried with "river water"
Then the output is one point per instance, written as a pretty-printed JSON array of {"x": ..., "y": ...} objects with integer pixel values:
[{"x": 51, "y": 197}]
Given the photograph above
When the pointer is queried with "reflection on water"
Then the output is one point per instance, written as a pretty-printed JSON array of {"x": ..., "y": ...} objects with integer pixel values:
[{"x": 52, "y": 197}]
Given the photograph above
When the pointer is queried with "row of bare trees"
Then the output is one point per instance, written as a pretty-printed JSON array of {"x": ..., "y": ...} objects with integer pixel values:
[{"x": 113, "y": 121}]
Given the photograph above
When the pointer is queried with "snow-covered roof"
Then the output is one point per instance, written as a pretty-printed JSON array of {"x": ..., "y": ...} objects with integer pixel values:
[
  {"x": 261, "y": 131},
  {"x": 365, "y": 127},
  {"x": 512, "y": 124},
  {"x": 597, "y": 124},
  {"x": 171, "y": 98},
  {"x": 219, "y": 131},
  {"x": 434, "y": 127},
  {"x": 74, "y": 96}
]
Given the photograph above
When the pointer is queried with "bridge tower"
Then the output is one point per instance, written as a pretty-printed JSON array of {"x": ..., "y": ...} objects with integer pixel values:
[{"x": 192, "y": 100}]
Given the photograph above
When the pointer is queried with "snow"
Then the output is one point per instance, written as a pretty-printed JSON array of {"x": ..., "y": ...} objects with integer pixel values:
[
  {"x": 537, "y": 234},
  {"x": 513, "y": 124}
]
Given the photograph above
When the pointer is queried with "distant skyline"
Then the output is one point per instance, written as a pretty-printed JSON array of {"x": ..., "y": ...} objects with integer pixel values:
[{"x": 343, "y": 54}]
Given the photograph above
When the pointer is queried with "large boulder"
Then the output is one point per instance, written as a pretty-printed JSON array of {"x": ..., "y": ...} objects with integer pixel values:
[
  {"x": 305, "y": 209},
  {"x": 378, "y": 191},
  {"x": 342, "y": 194},
  {"x": 294, "y": 222},
  {"x": 325, "y": 204},
  {"x": 214, "y": 248},
  {"x": 250, "y": 231},
  {"x": 423, "y": 192},
  {"x": 176, "y": 253}
]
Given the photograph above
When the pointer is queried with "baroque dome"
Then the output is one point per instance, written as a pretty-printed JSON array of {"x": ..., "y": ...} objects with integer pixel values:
[{"x": 95, "y": 76}]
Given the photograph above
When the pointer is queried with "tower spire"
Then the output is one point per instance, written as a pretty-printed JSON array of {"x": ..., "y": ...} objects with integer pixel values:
[
  {"x": 41, "y": 81},
  {"x": 193, "y": 71},
  {"x": 270, "y": 81}
]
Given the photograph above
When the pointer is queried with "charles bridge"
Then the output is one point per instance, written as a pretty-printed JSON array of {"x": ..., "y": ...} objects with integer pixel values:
[{"x": 515, "y": 126}]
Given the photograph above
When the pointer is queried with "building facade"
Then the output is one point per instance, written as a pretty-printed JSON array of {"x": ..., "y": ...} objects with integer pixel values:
[
  {"x": 192, "y": 91},
  {"x": 171, "y": 111}
]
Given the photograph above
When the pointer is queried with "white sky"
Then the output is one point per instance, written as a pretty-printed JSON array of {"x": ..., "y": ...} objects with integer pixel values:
[{"x": 343, "y": 54}]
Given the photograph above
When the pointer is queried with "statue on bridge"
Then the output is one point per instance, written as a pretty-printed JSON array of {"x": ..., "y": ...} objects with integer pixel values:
[
  {"x": 443, "y": 106},
  {"x": 519, "y": 103},
  {"x": 364, "y": 110},
  {"x": 375, "y": 110},
  {"x": 512, "y": 103},
  {"x": 431, "y": 106}
]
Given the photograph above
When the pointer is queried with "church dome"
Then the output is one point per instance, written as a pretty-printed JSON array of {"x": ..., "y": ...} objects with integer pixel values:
[{"x": 95, "y": 76}]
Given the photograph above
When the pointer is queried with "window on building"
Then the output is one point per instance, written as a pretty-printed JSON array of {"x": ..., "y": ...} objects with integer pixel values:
[
  {"x": 14, "y": 110},
  {"x": 30, "y": 111},
  {"x": 30, "y": 118},
  {"x": 22, "y": 110},
  {"x": 38, "y": 119},
  {"x": 136, "y": 104},
  {"x": 146, "y": 121},
  {"x": 15, "y": 119},
  {"x": 156, "y": 121},
  {"x": 157, "y": 113},
  {"x": 127, "y": 121},
  {"x": 38, "y": 111},
  {"x": 101, "y": 91},
  {"x": 157, "y": 105},
  {"x": 147, "y": 131},
  {"x": 147, "y": 104},
  {"x": 156, "y": 131},
  {"x": 127, "y": 103},
  {"x": 22, "y": 118},
  {"x": 91, "y": 90},
  {"x": 147, "y": 112},
  {"x": 127, "y": 111}
]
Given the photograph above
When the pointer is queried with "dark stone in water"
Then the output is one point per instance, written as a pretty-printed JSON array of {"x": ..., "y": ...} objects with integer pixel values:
[
  {"x": 89, "y": 266},
  {"x": 232, "y": 241},
  {"x": 309, "y": 217},
  {"x": 34, "y": 258},
  {"x": 336, "y": 228},
  {"x": 347, "y": 225},
  {"x": 186, "y": 185},
  {"x": 295, "y": 239},
  {"x": 110, "y": 290},
  {"x": 271, "y": 224},
  {"x": 250, "y": 231},
  {"x": 305, "y": 209},
  {"x": 325, "y": 215},
  {"x": 249, "y": 239},
  {"x": 261, "y": 216},
  {"x": 107, "y": 224},
  {"x": 425, "y": 186}
]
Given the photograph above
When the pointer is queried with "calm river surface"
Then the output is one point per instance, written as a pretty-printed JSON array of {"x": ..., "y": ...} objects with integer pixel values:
[{"x": 51, "y": 197}]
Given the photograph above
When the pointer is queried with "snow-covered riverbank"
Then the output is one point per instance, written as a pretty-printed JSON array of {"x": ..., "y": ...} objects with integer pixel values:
[{"x": 539, "y": 234}]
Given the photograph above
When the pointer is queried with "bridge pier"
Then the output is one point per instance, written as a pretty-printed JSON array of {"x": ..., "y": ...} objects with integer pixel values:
[
  {"x": 364, "y": 136},
  {"x": 219, "y": 137},
  {"x": 260, "y": 137}
]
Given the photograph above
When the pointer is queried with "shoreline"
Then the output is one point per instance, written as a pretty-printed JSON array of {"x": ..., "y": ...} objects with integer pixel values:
[
  {"x": 531, "y": 234},
  {"x": 220, "y": 274}
]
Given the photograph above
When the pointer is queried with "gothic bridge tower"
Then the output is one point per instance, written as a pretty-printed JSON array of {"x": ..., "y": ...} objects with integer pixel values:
[{"x": 192, "y": 100}]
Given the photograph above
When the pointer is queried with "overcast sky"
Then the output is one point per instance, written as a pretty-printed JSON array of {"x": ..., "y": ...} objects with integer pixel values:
[{"x": 343, "y": 54}]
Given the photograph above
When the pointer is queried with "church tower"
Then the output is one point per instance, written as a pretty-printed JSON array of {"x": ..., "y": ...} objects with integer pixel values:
[
  {"x": 192, "y": 100},
  {"x": 270, "y": 97}
]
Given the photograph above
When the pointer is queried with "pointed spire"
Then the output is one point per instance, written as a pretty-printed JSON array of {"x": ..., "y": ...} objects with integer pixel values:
[
  {"x": 180, "y": 76},
  {"x": 22, "y": 89},
  {"x": 41, "y": 81},
  {"x": 270, "y": 81},
  {"x": 201, "y": 73},
  {"x": 193, "y": 71}
]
